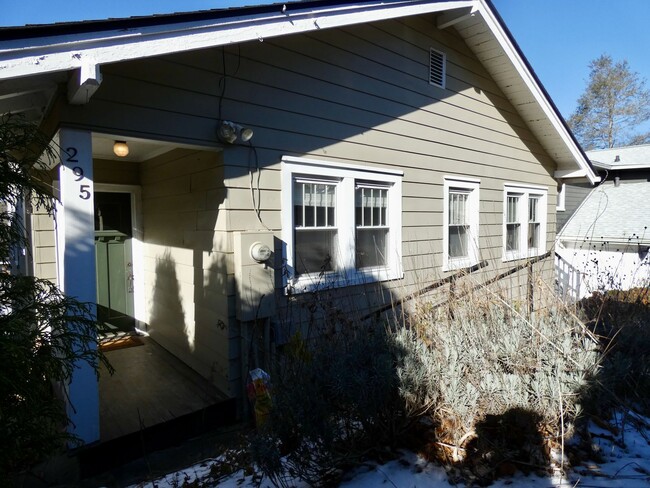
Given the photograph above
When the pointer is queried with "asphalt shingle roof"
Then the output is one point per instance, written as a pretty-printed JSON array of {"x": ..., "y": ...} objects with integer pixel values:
[
  {"x": 612, "y": 214},
  {"x": 636, "y": 156}
]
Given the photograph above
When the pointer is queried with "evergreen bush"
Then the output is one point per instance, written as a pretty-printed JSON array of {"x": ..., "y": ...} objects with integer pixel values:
[{"x": 43, "y": 333}]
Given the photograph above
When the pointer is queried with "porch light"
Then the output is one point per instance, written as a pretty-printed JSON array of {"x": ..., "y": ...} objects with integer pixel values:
[
  {"x": 121, "y": 149},
  {"x": 229, "y": 132}
]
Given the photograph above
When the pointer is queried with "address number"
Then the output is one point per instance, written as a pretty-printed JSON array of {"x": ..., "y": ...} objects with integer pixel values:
[{"x": 78, "y": 172}]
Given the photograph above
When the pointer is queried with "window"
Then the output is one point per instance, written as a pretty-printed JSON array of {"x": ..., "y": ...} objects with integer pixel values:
[
  {"x": 314, "y": 210},
  {"x": 524, "y": 221},
  {"x": 437, "y": 68},
  {"x": 461, "y": 212},
  {"x": 341, "y": 223},
  {"x": 561, "y": 198}
]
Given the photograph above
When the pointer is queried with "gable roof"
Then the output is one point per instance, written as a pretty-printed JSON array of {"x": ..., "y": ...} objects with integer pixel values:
[
  {"x": 613, "y": 214},
  {"x": 34, "y": 59},
  {"x": 621, "y": 158}
]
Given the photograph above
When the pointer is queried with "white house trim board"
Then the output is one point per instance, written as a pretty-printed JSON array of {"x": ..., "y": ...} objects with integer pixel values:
[
  {"x": 83, "y": 83},
  {"x": 535, "y": 89},
  {"x": 64, "y": 52},
  {"x": 328, "y": 165},
  {"x": 76, "y": 240},
  {"x": 115, "y": 41}
]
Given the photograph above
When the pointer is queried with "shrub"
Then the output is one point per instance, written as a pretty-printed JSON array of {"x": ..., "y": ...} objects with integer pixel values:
[
  {"x": 479, "y": 369},
  {"x": 485, "y": 359},
  {"x": 335, "y": 401},
  {"x": 621, "y": 321}
]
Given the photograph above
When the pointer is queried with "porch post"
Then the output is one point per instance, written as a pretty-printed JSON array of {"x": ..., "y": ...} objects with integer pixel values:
[{"x": 77, "y": 277}]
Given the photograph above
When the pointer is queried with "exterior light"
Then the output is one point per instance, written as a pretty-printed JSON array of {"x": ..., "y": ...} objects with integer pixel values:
[
  {"x": 229, "y": 132},
  {"x": 121, "y": 149}
]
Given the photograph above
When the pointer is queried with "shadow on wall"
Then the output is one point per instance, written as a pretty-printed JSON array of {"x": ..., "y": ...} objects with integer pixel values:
[{"x": 167, "y": 304}]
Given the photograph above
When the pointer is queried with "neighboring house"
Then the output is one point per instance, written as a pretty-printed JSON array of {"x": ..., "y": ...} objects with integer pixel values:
[
  {"x": 394, "y": 144},
  {"x": 604, "y": 244}
]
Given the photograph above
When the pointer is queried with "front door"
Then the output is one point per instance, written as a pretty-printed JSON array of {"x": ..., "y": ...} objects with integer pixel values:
[{"x": 113, "y": 234}]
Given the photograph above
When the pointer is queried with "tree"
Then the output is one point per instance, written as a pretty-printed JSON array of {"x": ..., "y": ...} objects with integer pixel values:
[
  {"x": 43, "y": 333},
  {"x": 612, "y": 106}
]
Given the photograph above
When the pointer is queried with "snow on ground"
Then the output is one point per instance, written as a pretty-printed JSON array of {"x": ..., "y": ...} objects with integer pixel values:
[{"x": 625, "y": 463}]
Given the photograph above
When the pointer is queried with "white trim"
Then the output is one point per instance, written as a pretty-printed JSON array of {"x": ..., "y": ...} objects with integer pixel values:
[
  {"x": 137, "y": 245},
  {"x": 527, "y": 186},
  {"x": 345, "y": 176},
  {"x": 535, "y": 90},
  {"x": 560, "y": 204},
  {"x": 338, "y": 164},
  {"x": 462, "y": 179},
  {"x": 65, "y": 52},
  {"x": 525, "y": 191},
  {"x": 26, "y": 57},
  {"x": 473, "y": 185}
]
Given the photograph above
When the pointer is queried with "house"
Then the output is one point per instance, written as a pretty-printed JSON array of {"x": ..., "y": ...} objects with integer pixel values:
[
  {"x": 604, "y": 243},
  {"x": 218, "y": 166}
]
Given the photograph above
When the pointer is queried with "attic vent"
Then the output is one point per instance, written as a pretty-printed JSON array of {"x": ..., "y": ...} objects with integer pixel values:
[{"x": 437, "y": 68}]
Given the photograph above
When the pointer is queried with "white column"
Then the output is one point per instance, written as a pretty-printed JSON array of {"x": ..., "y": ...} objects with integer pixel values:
[{"x": 77, "y": 239}]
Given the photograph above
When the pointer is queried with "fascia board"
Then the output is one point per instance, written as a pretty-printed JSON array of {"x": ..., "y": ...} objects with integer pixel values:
[
  {"x": 61, "y": 53},
  {"x": 537, "y": 92}
]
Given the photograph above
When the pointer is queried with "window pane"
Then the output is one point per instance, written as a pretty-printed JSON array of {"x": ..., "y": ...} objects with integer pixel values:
[
  {"x": 371, "y": 247},
  {"x": 371, "y": 206},
  {"x": 315, "y": 250},
  {"x": 533, "y": 236},
  {"x": 314, "y": 204},
  {"x": 512, "y": 209},
  {"x": 512, "y": 237},
  {"x": 458, "y": 241},
  {"x": 458, "y": 207},
  {"x": 533, "y": 209}
]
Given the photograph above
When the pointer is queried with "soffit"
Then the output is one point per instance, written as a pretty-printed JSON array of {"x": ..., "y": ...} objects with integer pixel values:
[
  {"x": 489, "y": 40},
  {"x": 475, "y": 20}
]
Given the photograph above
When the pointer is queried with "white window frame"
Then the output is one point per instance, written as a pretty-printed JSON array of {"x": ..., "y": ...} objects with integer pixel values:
[
  {"x": 472, "y": 185},
  {"x": 561, "y": 198},
  {"x": 346, "y": 177},
  {"x": 526, "y": 192}
]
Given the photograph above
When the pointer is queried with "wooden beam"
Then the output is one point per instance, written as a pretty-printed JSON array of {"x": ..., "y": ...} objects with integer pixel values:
[
  {"x": 83, "y": 83},
  {"x": 453, "y": 17}
]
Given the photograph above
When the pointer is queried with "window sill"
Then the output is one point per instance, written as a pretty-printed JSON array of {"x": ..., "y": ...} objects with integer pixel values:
[
  {"x": 331, "y": 280},
  {"x": 456, "y": 264},
  {"x": 531, "y": 253}
]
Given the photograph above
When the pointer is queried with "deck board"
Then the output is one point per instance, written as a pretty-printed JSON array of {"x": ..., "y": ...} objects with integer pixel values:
[{"x": 150, "y": 386}]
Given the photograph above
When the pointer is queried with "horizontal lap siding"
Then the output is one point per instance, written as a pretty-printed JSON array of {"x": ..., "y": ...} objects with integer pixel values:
[
  {"x": 188, "y": 279},
  {"x": 43, "y": 245},
  {"x": 356, "y": 95}
]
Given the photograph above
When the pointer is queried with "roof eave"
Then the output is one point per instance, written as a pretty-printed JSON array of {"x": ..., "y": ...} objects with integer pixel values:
[{"x": 72, "y": 51}]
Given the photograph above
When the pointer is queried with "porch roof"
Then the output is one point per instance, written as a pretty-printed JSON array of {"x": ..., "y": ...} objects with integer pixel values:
[{"x": 35, "y": 59}]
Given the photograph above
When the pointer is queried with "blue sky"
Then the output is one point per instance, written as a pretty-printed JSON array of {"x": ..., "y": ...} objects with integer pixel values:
[{"x": 559, "y": 37}]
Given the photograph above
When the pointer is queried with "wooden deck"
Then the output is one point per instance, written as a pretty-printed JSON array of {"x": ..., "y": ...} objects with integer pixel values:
[{"x": 150, "y": 386}]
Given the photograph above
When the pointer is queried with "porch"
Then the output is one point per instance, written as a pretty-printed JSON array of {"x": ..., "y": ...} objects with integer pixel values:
[{"x": 151, "y": 402}]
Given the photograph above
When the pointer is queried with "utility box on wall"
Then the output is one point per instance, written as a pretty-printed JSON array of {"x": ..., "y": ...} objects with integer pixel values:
[{"x": 254, "y": 275}]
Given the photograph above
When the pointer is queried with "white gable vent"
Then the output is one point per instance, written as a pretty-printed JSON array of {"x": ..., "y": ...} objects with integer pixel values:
[{"x": 437, "y": 68}]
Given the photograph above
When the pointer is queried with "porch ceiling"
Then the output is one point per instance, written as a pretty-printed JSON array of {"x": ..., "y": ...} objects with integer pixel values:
[{"x": 139, "y": 149}]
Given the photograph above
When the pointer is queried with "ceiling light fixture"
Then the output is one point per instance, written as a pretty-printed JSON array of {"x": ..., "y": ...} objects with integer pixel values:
[{"x": 121, "y": 149}]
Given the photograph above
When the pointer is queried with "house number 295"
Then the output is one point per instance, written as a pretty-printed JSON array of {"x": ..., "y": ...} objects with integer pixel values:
[{"x": 84, "y": 190}]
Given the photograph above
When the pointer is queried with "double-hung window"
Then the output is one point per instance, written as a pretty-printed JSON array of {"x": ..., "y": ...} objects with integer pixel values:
[
  {"x": 524, "y": 221},
  {"x": 341, "y": 223},
  {"x": 461, "y": 216}
]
